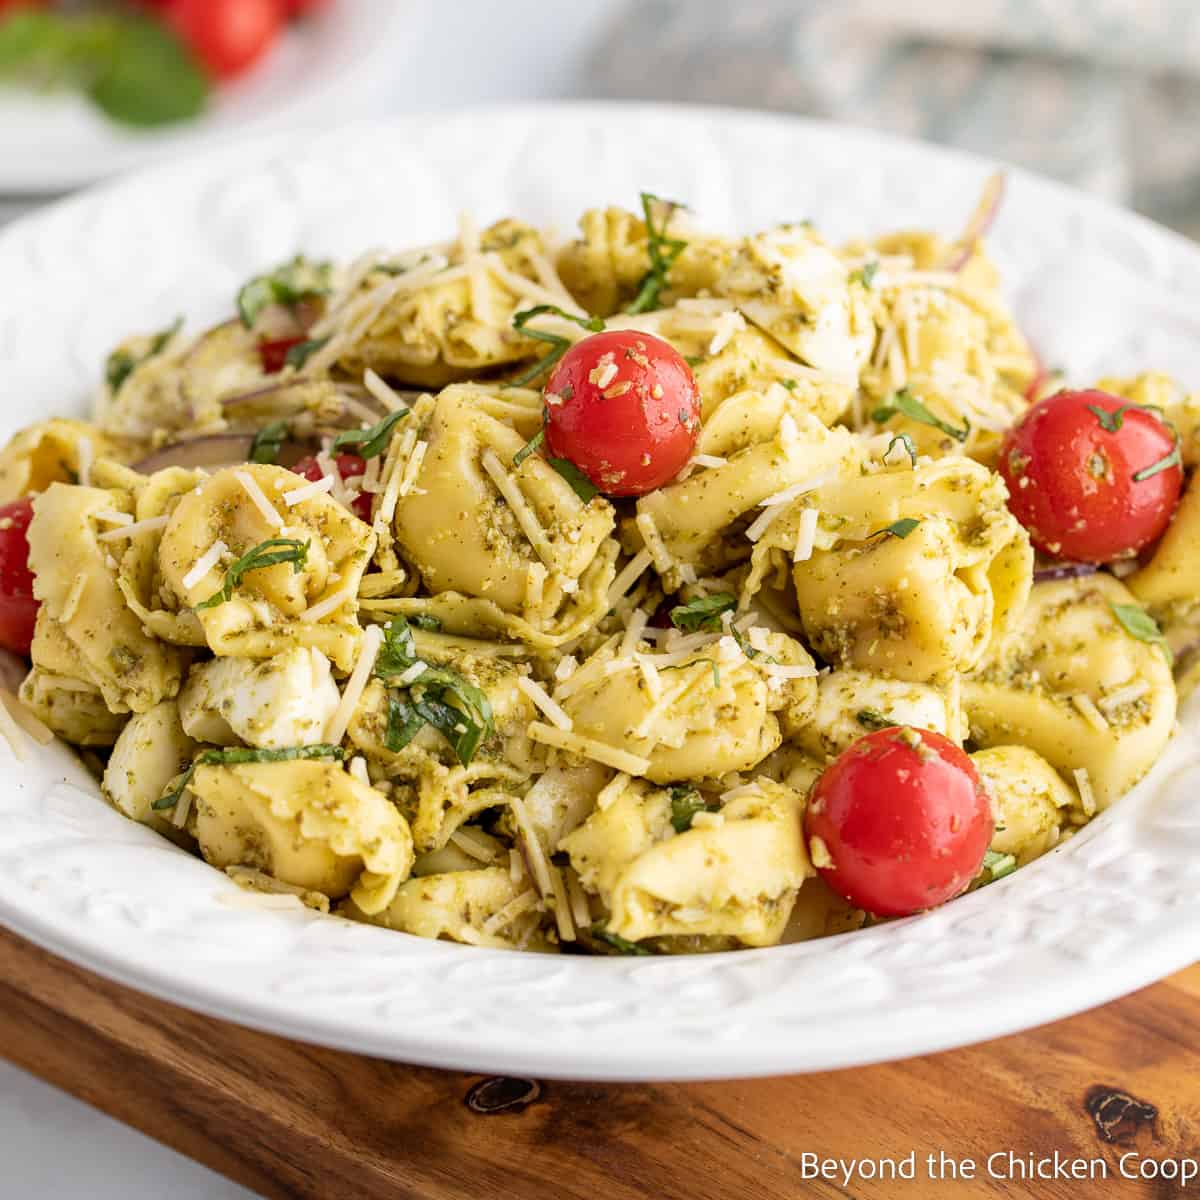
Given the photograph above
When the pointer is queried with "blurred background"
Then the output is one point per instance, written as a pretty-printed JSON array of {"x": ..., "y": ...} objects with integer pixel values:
[{"x": 1098, "y": 93}]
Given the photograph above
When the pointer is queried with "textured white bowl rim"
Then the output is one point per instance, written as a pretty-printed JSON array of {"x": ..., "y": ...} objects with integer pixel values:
[{"x": 1110, "y": 911}]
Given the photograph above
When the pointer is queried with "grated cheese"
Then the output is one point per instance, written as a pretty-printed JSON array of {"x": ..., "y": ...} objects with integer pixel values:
[
  {"x": 205, "y": 563},
  {"x": 611, "y": 790},
  {"x": 331, "y": 603},
  {"x": 788, "y": 494},
  {"x": 535, "y": 585},
  {"x": 535, "y": 854},
  {"x": 259, "y": 499},
  {"x": 86, "y": 455},
  {"x": 358, "y": 768},
  {"x": 1090, "y": 713},
  {"x": 1124, "y": 695},
  {"x": 604, "y": 372},
  {"x": 518, "y": 906},
  {"x": 470, "y": 846},
  {"x": 650, "y": 674},
  {"x": 574, "y": 743},
  {"x": 112, "y": 517},
  {"x": 728, "y": 325},
  {"x": 629, "y": 574},
  {"x": 707, "y": 460},
  {"x": 128, "y": 531},
  {"x": 74, "y": 596},
  {"x": 309, "y": 490},
  {"x": 382, "y": 391},
  {"x": 806, "y": 535},
  {"x": 411, "y": 469},
  {"x": 638, "y": 620},
  {"x": 659, "y": 554},
  {"x": 743, "y": 789},
  {"x": 542, "y": 700},
  {"x": 1086, "y": 796},
  {"x": 581, "y": 911},
  {"x": 567, "y": 666},
  {"x": 790, "y": 670},
  {"x": 562, "y": 909},
  {"x": 335, "y": 730},
  {"x": 507, "y": 487},
  {"x": 183, "y": 807}
]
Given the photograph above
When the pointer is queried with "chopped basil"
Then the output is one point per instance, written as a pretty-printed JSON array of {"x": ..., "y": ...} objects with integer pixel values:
[
  {"x": 301, "y": 352},
  {"x": 559, "y": 345},
  {"x": 370, "y": 443},
  {"x": 1112, "y": 421},
  {"x": 265, "y": 554},
  {"x": 268, "y": 441},
  {"x": 1138, "y": 623},
  {"x": 242, "y": 754},
  {"x": 900, "y": 529},
  {"x": 869, "y": 718},
  {"x": 619, "y": 944},
  {"x": 702, "y": 613},
  {"x": 905, "y": 403},
  {"x": 464, "y": 723},
  {"x": 865, "y": 274},
  {"x": 121, "y": 364},
  {"x": 995, "y": 866},
  {"x": 663, "y": 252},
  {"x": 686, "y": 802},
  {"x": 909, "y": 448},
  {"x": 581, "y": 485},
  {"x": 287, "y": 285},
  {"x": 425, "y": 621},
  {"x": 534, "y": 444}
]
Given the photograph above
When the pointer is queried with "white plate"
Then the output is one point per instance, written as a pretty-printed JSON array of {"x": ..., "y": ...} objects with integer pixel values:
[
  {"x": 1111, "y": 910},
  {"x": 330, "y": 67}
]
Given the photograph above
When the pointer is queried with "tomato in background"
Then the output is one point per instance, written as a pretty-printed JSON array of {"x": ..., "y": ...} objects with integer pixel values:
[
  {"x": 227, "y": 35},
  {"x": 350, "y": 466},
  {"x": 18, "y": 608}
]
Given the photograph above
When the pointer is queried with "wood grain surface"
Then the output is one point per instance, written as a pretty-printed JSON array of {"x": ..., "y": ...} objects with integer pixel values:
[{"x": 291, "y": 1120}]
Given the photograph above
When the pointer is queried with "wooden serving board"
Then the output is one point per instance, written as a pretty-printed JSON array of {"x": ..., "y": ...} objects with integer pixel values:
[{"x": 291, "y": 1120}]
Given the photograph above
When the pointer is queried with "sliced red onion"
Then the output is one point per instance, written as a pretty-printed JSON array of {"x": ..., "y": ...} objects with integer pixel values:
[
  {"x": 1064, "y": 571},
  {"x": 982, "y": 219}
]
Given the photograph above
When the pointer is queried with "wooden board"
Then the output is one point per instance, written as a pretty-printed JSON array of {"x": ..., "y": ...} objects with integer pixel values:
[{"x": 291, "y": 1120}]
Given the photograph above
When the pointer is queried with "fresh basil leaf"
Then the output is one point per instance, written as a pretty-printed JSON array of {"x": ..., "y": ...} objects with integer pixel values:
[
  {"x": 243, "y": 754},
  {"x": 900, "y": 529},
  {"x": 620, "y": 944},
  {"x": 301, "y": 352},
  {"x": 404, "y": 723},
  {"x": 426, "y": 621},
  {"x": 151, "y": 78},
  {"x": 398, "y": 651},
  {"x": 370, "y": 443},
  {"x": 582, "y": 486},
  {"x": 995, "y": 866},
  {"x": 869, "y": 718},
  {"x": 121, "y": 364},
  {"x": 703, "y": 613},
  {"x": 559, "y": 345},
  {"x": 905, "y": 403},
  {"x": 265, "y": 554},
  {"x": 686, "y": 802},
  {"x": 268, "y": 441},
  {"x": 288, "y": 284},
  {"x": 662, "y": 250},
  {"x": 1139, "y": 624},
  {"x": 534, "y": 444}
]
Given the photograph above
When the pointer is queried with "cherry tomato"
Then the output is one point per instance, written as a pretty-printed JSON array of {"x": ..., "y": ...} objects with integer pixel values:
[
  {"x": 623, "y": 406},
  {"x": 350, "y": 466},
  {"x": 304, "y": 8},
  {"x": 274, "y": 351},
  {"x": 227, "y": 35},
  {"x": 899, "y": 822},
  {"x": 18, "y": 608},
  {"x": 1092, "y": 477}
]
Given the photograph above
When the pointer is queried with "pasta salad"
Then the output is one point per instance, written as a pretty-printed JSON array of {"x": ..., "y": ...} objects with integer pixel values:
[{"x": 654, "y": 591}]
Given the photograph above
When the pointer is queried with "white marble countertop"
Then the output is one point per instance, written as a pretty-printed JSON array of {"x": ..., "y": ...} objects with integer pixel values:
[{"x": 463, "y": 52}]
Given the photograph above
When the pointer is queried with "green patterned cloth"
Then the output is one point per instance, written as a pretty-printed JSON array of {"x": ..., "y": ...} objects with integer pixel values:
[{"x": 1103, "y": 94}]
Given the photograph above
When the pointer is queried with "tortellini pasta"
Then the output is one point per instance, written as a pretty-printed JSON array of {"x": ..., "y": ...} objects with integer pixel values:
[
  {"x": 311, "y": 602},
  {"x": 1107, "y": 711},
  {"x": 308, "y": 824},
  {"x": 734, "y": 873},
  {"x": 1031, "y": 800}
]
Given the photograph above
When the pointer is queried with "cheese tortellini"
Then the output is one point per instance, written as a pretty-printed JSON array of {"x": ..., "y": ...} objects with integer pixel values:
[{"x": 380, "y": 650}]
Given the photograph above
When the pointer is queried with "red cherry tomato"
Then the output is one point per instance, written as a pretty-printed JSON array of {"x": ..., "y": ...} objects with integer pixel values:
[
  {"x": 623, "y": 406},
  {"x": 227, "y": 35},
  {"x": 1091, "y": 476},
  {"x": 274, "y": 351},
  {"x": 350, "y": 466},
  {"x": 304, "y": 8},
  {"x": 18, "y": 608},
  {"x": 903, "y": 821}
]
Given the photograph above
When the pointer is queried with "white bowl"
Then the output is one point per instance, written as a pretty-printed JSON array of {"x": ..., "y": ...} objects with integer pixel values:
[{"x": 1111, "y": 910}]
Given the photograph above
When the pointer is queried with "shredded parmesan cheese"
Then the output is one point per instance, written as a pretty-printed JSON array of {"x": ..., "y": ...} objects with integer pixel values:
[
  {"x": 659, "y": 554},
  {"x": 1124, "y": 695},
  {"x": 611, "y": 790},
  {"x": 112, "y": 517},
  {"x": 86, "y": 455},
  {"x": 518, "y": 906},
  {"x": 574, "y": 743},
  {"x": 630, "y": 573},
  {"x": 129, "y": 531},
  {"x": 259, "y": 499},
  {"x": 507, "y": 487},
  {"x": 466, "y": 841},
  {"x": 1086, "y": 796},
  {"x": 309, "y": 490},
  {"x": 806, "y": 535},
  {"x": 331, "y": 603},
  {"x": 1090, "y": 713},
  {"x": 335, "y": 730},
  {"x": 535, "y": 854},
  {"x": 204, "y": 564},
  {"x": 542, "y": 700},
  {"x": 358, "y": 768},
  {"x": 74, "y": 596}
]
